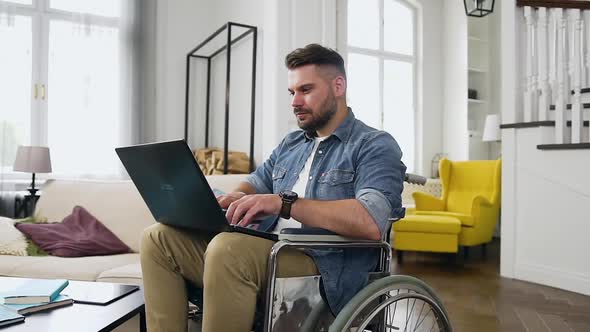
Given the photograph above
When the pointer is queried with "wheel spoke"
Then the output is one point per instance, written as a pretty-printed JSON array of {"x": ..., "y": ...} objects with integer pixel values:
[
  {"x": 433, "y": 322},
  {"x": 429, "y": 310},
  {"x": 381, "y": 309},
  {"x": 408, "y": 319},
  {"x": 419, "y": 315}
]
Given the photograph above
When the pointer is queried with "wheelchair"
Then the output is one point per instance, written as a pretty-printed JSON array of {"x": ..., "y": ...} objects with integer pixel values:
[{"x": 387, "y": 303}]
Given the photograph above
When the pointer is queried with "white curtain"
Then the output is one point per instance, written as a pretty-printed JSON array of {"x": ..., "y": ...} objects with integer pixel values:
[
  {"x": 94, "y": 108},
  {"x": 15, "y": 82}
]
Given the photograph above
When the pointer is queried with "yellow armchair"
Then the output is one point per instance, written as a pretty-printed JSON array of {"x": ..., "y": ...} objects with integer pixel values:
[{"x": 470, "y": 198}]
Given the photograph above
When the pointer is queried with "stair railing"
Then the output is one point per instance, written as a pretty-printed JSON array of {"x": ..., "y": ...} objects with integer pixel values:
[{"x": 556, "y": 64}]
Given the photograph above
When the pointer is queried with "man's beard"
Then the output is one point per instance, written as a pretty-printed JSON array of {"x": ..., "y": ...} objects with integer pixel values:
[{"x": 319, "y": 119}]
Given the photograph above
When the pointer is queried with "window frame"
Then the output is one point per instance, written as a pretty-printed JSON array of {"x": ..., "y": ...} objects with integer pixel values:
[{"x": 383, "y": 55}]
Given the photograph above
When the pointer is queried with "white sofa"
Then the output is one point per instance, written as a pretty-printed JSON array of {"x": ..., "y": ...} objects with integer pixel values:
[{"x": 118, "y": 205}]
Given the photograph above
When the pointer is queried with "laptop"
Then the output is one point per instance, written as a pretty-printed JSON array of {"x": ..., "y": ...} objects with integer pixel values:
[{"x": 175, "y": 190}]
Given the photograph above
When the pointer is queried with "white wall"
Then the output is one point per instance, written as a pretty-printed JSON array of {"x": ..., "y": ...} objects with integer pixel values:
[
  {"x": 552, "y": 195},
  {"x": 494, "y": 73},
  {"x": 508, "y": 100},
  {"x": 455, "y": 136},
  {"x": 430, "y": 135},
  {"x": 180, "y": 25}
]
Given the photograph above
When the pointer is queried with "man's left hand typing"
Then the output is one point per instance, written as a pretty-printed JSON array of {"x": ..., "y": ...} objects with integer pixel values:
[{"x": 249, "y": 208}]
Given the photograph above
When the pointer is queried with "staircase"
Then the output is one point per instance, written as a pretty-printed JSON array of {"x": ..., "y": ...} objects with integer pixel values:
[
  {"x": 556, "y": 71},
  {"x": 545, "y": 150}
]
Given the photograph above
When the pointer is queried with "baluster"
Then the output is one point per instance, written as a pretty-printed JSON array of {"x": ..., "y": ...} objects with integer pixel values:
[
  {"x": 553, "y": 55},
  {"x": 542, "y": 62},
  {"x": 576, "y": 99},
  {"x": 530, "y": 58},
  {"x": 561, "y": 66},
  {"x": 570, "y": 55},
  {"x": 586, "y": 54},
  {"x": 583, "y": 65},
  {"x": 586, "y": 49}
]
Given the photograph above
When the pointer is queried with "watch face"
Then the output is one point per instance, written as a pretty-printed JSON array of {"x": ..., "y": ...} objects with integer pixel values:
[{"x": 288, "y": 195}]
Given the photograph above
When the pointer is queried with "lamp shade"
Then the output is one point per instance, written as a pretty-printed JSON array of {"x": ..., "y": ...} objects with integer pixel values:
[
  {"x": 491, "y": 130},
  {"x": 32, "y": 159},
  {"x": 478, "y": 8}
]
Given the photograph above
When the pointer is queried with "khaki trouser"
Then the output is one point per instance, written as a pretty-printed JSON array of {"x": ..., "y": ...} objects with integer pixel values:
[{"x": 230, "y": 267}]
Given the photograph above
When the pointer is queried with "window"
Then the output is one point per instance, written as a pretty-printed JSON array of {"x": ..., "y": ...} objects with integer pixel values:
[
  {"x": 381, "y": 49},
  {"x": 64, "y": 82}
]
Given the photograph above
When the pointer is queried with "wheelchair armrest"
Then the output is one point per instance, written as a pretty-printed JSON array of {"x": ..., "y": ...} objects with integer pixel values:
[
  {"x": 311, "y": 235},
  {"x": 314, "y": 235}
]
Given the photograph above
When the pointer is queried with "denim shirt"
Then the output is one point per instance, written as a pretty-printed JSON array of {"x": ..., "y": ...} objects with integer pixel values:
[{"x": 356, "y": 161}]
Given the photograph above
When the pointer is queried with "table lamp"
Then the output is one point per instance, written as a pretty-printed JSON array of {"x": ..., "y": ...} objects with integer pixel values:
[
  {"x": 32, "y": 159},
  {"x": 491, "y": 133},
  {"x": 491, "y": 130}
]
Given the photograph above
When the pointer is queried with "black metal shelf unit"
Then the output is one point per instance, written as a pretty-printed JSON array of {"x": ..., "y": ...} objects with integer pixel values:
[{"x": 193, "y": 54}]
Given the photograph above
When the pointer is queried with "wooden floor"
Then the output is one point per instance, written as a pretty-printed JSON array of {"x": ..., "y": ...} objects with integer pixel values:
[{"x": 478, "y": 299}]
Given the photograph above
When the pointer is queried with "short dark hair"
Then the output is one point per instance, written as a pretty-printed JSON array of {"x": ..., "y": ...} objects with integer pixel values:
[{"x": 315, "y": 54}]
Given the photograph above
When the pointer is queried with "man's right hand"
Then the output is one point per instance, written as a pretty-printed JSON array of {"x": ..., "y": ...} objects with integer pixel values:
[{"x": 225, "y": 200}]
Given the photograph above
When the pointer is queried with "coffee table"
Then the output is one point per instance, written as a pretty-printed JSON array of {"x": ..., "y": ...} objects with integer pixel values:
[{"x": 80, "y": 317}]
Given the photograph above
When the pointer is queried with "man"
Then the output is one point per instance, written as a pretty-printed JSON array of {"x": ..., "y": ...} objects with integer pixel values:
[{"x": 336, "y": 173}]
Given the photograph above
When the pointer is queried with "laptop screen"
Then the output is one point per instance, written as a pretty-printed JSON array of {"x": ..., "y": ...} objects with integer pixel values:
[{"x": 172, "y": 185}]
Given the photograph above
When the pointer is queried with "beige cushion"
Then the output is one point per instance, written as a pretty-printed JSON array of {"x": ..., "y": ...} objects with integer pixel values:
[
  {"x": 226, "y": 183},
  {"x": 78, "y": 268},
  {"x": 126, "y": 274}
]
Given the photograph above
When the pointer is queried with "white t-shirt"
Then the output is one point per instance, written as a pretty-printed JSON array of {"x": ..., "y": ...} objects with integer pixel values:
[{"x": 299, "y": 188}]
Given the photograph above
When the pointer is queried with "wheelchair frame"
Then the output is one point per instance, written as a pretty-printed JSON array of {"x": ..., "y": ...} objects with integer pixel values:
[{"x": 310, "y": 241}]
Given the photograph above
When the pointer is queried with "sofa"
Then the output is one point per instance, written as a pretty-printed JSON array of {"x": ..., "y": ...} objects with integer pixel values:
[{"x": 116, "y": 204}]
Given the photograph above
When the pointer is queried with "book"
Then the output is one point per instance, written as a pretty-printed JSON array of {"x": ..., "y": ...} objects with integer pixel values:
[
  {"x": 24, "y": 309},
  {"x": 35, "y": 291},
  {"x": 8, "y": 317}
]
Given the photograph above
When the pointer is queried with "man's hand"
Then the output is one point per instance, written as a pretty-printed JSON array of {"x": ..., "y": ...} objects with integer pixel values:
[
  {"x": 225, "y": 200},
  {"x": 251, "y": 207}
]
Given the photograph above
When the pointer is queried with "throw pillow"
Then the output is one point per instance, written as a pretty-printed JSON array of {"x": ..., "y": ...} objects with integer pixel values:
[
  {"x": 79, "y": 234},
  {"x": 32, "y": 248},
  {"x": 12, "y": 242}
]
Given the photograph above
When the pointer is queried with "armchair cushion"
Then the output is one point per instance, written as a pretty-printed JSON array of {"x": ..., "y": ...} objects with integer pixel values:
[
  {"x": 427, "y": 202},
  {"x": 428, "y": 224},
  {"x": 466, "y": 220}
]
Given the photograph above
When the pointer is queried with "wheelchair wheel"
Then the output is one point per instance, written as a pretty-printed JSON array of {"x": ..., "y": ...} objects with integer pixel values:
[{"x": 394, "y": 303}]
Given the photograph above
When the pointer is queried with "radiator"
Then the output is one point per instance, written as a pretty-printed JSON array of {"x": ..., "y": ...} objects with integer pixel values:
[{"x": 7, "y": 199}]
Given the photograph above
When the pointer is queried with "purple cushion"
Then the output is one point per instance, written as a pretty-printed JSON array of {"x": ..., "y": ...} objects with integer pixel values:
[{"x": 78, "y": 235}]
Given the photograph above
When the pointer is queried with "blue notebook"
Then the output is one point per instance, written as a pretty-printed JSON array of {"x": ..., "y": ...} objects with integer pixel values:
[
  {"x": 8, "y": 317},
  {"x": 35, "y": 291},
  {"x": 24, "y": 309}
]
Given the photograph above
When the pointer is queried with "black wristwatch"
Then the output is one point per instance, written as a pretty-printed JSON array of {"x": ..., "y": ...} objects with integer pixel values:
[{"x": 289, "y": 197}]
